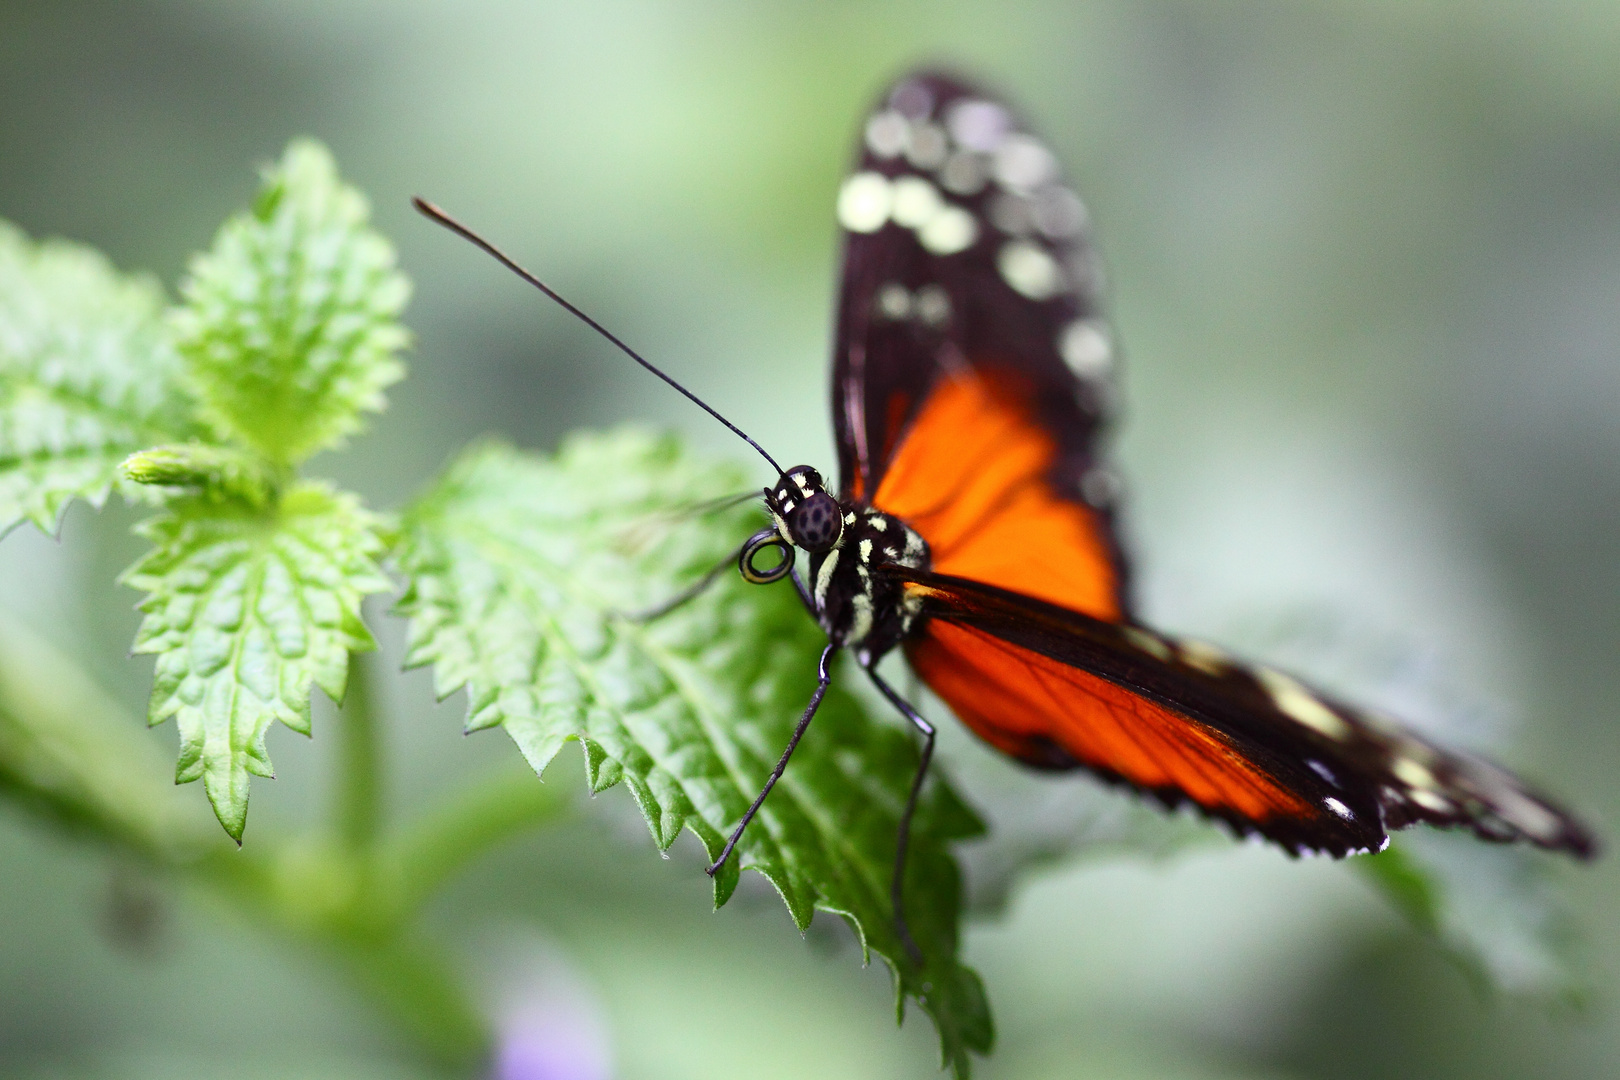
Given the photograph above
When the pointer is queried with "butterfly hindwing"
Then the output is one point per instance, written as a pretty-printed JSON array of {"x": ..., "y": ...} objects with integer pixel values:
[
  {"x": 969, "y": 306},
  {"x": 1247, "y": 745}
]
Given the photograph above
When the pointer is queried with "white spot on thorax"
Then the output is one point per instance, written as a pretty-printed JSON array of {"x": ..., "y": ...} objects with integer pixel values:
[
  {"x": 824, "y": 578},
  {"x": 860, "y": 623},
  {"x": 866, "y": 551},
  {"x": 879, "y": 523},
  {"x": 1029, "y": 270},
  {"x": 864, "y": 202},
  {"x": 914, "y": 548}
]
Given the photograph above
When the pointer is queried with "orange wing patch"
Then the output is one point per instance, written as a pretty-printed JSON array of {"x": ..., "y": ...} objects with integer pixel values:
[
  {"x": 972, "y": 477},
  {"x": 1042, "y": 711}
]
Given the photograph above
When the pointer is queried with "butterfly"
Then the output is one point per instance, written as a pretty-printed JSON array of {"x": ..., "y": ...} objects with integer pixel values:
[{"x": 974, "y": 527}]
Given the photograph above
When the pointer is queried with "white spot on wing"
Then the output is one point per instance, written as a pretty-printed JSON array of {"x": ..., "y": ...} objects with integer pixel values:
[
  {"x": 1339, "y": 808},
  {"x": 893, "y": 301},
  {"x": 978, "y": 125},
  {"x": 1300, "y": 704},
  {"x": 1525, "y": 813},
  {"x": 1099, "y": 486},
  {"x": 864, "y": 202},
  {"x": 913, "y": 99},
  {"x": 1323, "y": 771},
  {"x": 1205, "y": 657},
  {"x": 886, "y": 133},
  {"x": 916, "y": 201},
  {"x": 1030, "y": 270},
  {"x": 928, "y": 146},
  {"x": 1085, "y": 347},
  {"x": 1023, "y": 164},
  {"x": 1413, "y": 774},
  {"x": 1147, "y": 642},
  {"x": 1059, "y": 213},
  {"x": 933, "y": 305},
  {"x": 1439, "y": 804},
  {"x": 951, "y": 230},
  {"x": 964, "y": 173}
]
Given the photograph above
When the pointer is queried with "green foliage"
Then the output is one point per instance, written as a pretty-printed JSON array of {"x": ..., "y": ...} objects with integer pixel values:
[
  {"x": 247, "y": 607},
  {"x": 87, "y": 375},
  {"x": 288, "y": 329},
  {"x": 518, "y": 566},
  {"x": 1497, "y": 909},
  {"x": 518, "y": 569},
  {"x": 222, "y": 471}
]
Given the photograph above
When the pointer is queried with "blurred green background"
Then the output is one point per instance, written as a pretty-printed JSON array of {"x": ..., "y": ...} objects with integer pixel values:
[{"x": 1366, "y": 264}]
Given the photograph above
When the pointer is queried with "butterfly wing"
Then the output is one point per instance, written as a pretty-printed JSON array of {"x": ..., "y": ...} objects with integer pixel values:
[
  {"x": 1250, "y": 746},
  {"x": 971, "y": 376}
]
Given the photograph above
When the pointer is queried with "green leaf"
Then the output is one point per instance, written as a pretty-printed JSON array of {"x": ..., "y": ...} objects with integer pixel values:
[
  {"x": 1497, "y": 909},
  {"x": 86, "y": 377},
  {"x": 289, "y": 327},
  {"x": 247, "y": 607},
  {"x": 517, "y": 565}
]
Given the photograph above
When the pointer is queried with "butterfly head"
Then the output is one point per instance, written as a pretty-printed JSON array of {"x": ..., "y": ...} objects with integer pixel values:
[{"x": 805, "y": 513}]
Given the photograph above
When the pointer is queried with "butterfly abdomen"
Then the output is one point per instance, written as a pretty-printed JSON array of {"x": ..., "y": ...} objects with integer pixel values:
[{"x": 859, "y": 608}]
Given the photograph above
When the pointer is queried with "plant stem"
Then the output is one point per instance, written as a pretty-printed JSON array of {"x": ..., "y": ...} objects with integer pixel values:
[
  {"x": 358, "y": 812},
  {"x": 403, "y": 975},
  {"x": 429, "y": 852}
]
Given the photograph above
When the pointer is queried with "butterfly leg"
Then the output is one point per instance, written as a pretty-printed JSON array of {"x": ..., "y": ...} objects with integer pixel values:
[
  {"x": 691, "y": 592},
  {"x": 903, "y": 840},
  {"x": 823, "y": 677}
]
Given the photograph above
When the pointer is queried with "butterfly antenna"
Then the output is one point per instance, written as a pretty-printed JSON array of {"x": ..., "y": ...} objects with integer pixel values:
[{"x": 429, "y": 210}]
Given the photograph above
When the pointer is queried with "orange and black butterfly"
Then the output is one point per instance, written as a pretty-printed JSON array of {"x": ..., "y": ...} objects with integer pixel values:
[{"x": 974, "y": 523}]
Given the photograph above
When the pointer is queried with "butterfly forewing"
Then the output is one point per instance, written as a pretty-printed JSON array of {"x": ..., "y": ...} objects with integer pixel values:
[
  {"x": 1248, "y": 745},
  {"x": 973, "y": 370}
]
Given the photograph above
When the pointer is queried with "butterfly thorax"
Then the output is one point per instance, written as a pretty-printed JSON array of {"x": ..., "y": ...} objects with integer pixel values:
[{"x": 858, "y": 605}]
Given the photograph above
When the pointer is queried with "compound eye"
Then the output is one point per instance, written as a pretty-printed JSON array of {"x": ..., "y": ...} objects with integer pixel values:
[{"x": 815, "y": 523}]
